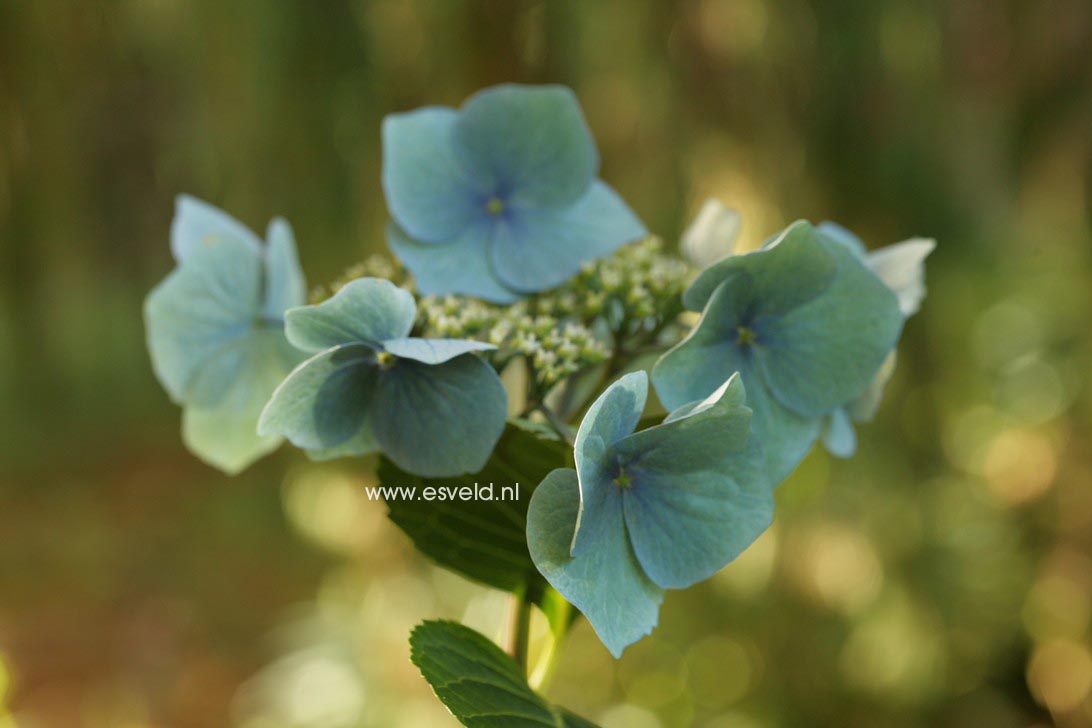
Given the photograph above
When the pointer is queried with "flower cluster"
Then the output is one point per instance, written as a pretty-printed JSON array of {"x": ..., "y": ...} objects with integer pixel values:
[
  {"x": 553, "y": 348},
  {"x": 514, "y": 249},
  {"x": 802, "y": 327},
  {"x": 637, "y": 284},
  {"x": 636, "y": 289}
]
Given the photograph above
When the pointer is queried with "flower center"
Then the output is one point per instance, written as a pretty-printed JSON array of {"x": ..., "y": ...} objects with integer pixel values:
[
  {"x": 494, "y": 206},
  {"x": 385, "y": 359},
  {"x": 745, "y": 336},
  {"x": 622, "y": 480}
]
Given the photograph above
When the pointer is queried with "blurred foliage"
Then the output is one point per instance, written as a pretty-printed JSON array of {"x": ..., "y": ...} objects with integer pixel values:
[{"x": 942, "y": 577}]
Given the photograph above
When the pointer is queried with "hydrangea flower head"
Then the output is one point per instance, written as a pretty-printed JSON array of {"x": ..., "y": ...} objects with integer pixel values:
[
  {"x": 805, "y": 323},
  {"x": 499, "y": 198},
  {"x": 662, "y": 508},
  {"x": 902, "y": 269},
  {"x": 216, "y": 331},
  {"x": 429, "y": 405}
]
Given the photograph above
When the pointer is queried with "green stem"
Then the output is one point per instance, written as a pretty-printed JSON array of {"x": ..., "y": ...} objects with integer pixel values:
[
  {"x": 519, "y": 630},
  {"x": 561, "y": 428},
  {"x": 540, "y": 677}
]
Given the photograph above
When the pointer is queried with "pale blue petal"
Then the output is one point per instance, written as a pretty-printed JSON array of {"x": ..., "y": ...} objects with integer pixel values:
[
  {"x": 611, "y": 417},
  {"x": 712, "y": 235},
  {"x": 825, "y": 352},
  {"x": 440, "y": 420},
  {"x": 326, "y": 400},
  {"x": 842, "y": 235},
  {"x": 792, "y": 270},
  {"x": 536, "y": 249},
  {"x": 530, "y": 145},
  {"x": 217, "y": 374},
  {"x": 839, "y": 436},
  {"x": 198, "y": 314},
  {"x": 197, "y": 223},
  {"x": 433, "y": 351},
  {"x": 367, "y": 310},
  {"x": 285, "y": 286},
  {"x": 605, "y": 583},
  {"x": 428, "y": 192},
  {"x": 460, "y": 266},
  {"x": 226, "y": 436},
  {"x": 902, "y": 269},
  {"x": 697, "y": 493}
]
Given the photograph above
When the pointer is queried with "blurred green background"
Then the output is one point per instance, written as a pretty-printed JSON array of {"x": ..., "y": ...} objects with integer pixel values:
[{"x": 943, "y": 577}]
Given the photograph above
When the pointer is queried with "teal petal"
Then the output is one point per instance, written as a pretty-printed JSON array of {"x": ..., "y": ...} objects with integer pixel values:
[
  {"x": 530, "y": 146},
  {"x": 900, "y": 266},
  {"x": 198, "y": 316},
  {"x": 839, "y": 436},
  {"x": 428, "y": 192},
  {"x": 710, "y": 354},
  {"x": 326, "y": 400},
  {"x": 785, "y": 435},
  {"x": 792, "y": 270},
  {"x": 440, "y": 420},
  {"x": 197, "y": 223},
  {"x": 458, "y": 266},
  {"x": 611, "y": 417},
  {"x": 367, "y": 310},
  {"x": 701, "y": 362},
  {"x": 362, "y": 443},
  {"x": 605, "y": 582},
  {"x": 839, "y": 234},
  {"x": 696, "y": 492},
  {"x": 536, "y": 249},
  {"x": 825, "y": 352},
  {"x": 226, "y": 436},
  {"x": 285, "y": 286},
  {"x": 697, "y": 436},
  {"x": 433, "y": 351}
]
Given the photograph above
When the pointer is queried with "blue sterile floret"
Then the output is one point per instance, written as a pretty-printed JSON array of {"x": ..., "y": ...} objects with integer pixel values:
[
  {"x": 429, "y": 405},
  {"x": 902, "y": 269},
  {"x": 804, "y": 322},
  {"x": 216, "y": 331},
  {"x": 662, "y": 508},
  {"x": 499, "y": 198}
]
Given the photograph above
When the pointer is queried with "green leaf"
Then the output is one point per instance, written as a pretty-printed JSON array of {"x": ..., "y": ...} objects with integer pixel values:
[
  {"x": 479, "y": 684},
  {"x": 571, "y": 720},
  {"x": 481, "y": 539}
]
